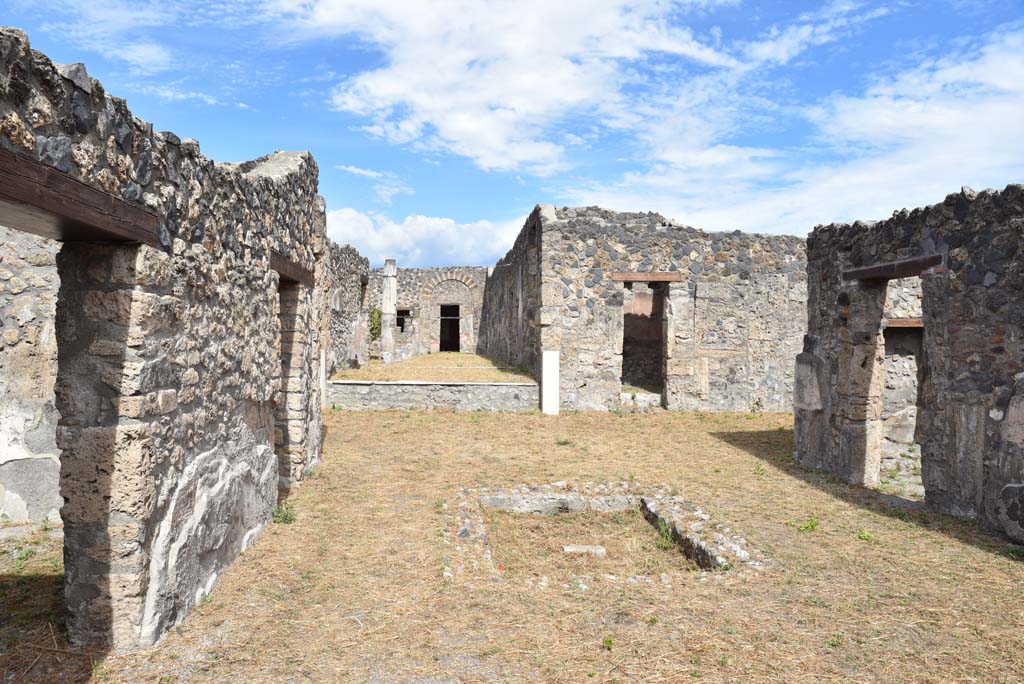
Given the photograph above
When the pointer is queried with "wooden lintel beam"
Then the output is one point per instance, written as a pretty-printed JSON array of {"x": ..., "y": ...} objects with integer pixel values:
[
  {"x": 39, "y": 199},
  {"x": 649, "y": 277},
  {"x": 903, "y": 268},
  {"x": 902, "y": 323},
  {"x": 291, "y": 271}
]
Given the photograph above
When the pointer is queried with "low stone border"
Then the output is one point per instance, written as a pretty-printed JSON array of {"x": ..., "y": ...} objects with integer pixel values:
[
  {"x": 364, "y": 395},
  {"x": 710, "y": 545}
]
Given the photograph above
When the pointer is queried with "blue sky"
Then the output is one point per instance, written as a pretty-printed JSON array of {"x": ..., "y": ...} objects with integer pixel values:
[{"x": 439, "y": 125}]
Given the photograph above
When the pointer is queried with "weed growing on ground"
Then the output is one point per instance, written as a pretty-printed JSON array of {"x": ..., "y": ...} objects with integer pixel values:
[
  {"x": 562, "y": 442},
  {"x": 864, "y": 535},
  {"x": 835, "y": 641},
  {"x": 808, "y": 525},
  {"x": 284, "y": 514},
  {"x": 759, "y": 470},
  {"x": 607, "y": 643},
  {"x": 666, "y": 538},
  {"x": 1015, "y": 552},
  {"x": 21, "y": 558}
]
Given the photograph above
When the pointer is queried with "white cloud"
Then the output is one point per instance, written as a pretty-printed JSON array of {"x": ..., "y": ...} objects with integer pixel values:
[
  {"x": 815, "y": 28},
  {"x": 489, "y": 80},
  {"x": 908, "y": 140},
  {"x": 147, "y": 57},
  {"x": 388, "y": 184},
  {"x": 369, "y": 173},
  {"x": 173, "y": 92},
  {"x": 422, "y": 240}
]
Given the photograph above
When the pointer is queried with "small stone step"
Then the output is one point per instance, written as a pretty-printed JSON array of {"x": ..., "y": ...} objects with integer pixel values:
[{"x": 592, "y": 549}]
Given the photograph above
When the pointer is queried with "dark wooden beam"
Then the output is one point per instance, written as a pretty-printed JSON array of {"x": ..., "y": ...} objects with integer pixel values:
[
  {"x": 904, "y": 268},
  {"x": 902, "y": 323},
  {"x": 291, "y": 271},
  {"x": 39, "y": 199},
  {"x": 649, "y": 277}
]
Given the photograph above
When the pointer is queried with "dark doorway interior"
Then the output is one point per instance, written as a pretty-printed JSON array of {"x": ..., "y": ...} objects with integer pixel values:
[
  {"x": 449, "y": 328},
  {"x": 402, "y": 317},
  {"x": 643, "y": 338}
]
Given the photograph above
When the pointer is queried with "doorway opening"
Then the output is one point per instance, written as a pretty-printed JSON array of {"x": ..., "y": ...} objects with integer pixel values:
[
  {"x": 286, "y": 445},
  {"x": 904, "y": 373},
  {"x": 450, "y": 328},
  {"x": 643, "y": 337}
]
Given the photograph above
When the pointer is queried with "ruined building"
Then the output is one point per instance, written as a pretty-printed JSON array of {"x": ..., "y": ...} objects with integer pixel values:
[
  {"x": 187, "y": 316},
  {"x": 591, "y": 301},
  {"x": 921, "y": 318},
  {"x": 425, "y": 310}
]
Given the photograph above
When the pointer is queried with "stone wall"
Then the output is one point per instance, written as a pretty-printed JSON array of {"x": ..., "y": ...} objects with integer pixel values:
[
  {"x": 355, "y": 395},
  {"x": 510, "y": 321},
  {"x": 903, "y": 365},
  {"x": 172, "y": 361},
  {"x": 29, "y": 460},
  {"x": 348, "y": 319},
  {"x": 971, "y": 412},
  {"x": 422, "y": 291},
  {"x": 731, "y": 323},
  {"x": 903, "y": 298}
]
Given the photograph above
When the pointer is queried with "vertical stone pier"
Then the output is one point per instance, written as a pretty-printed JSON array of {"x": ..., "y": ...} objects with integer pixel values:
[{"x": 388, "y": 311}]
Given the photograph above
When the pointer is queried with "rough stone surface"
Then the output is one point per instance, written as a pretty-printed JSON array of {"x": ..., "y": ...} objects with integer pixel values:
[
  {"x": 421, "y": 292},
  {"x": 968, "y": 417},
  {"x": 29, "y": 459},
  {"x": 172, "y": 362},
  {"x": 357, "y": 395},
  {"x": 731, "y": 327},
  {"x": 348, "y": 316}
]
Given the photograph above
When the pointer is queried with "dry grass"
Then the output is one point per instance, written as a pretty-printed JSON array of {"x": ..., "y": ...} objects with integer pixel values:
[
  {"x": 530, "y": 546},
  {"x": 352, "y": 591},
  {"x": 438, "y": 367}
]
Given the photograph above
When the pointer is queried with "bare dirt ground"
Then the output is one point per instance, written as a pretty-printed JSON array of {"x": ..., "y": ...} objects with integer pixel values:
[
  {"x": 438, "y": 367},
  {"x": 353, "y": 590}
]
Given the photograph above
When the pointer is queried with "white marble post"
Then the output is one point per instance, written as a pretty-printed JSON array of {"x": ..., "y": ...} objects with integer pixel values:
[
  {"x": 388, "y": 311},
  {"x": 549, "y": 380}
]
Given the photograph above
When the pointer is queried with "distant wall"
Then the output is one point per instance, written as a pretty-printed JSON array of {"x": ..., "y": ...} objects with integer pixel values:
[
  {"x": 29, "y": 458},
  {"x": 422, "y": 291},
  {"x": 510, "y": 321},
  {"x": 346, "y": 291},
  {"x": 731, "y": 323},
  {"x": 357, "y": 395}
]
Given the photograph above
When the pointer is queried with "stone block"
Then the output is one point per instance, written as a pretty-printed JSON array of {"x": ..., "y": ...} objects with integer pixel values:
[{"x": 584, "y": 549}]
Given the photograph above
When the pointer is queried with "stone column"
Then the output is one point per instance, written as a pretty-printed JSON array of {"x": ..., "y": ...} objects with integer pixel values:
[{"x": 388, "y": 311}]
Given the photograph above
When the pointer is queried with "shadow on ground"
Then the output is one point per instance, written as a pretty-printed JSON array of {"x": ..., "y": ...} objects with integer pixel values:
[
  {"x": 776, "y": 447},
  {"x": 33, "y": 646}
]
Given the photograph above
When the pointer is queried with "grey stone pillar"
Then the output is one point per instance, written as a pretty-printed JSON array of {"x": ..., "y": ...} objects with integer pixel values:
[{"x": 388, "y": 311}]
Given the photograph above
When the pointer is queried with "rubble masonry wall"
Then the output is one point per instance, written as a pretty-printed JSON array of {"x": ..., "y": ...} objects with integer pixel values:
[
  {"x": 730, "y": 323},
  {"x": 971, "y": 414},
  {"x": 169, "y": 360}
]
